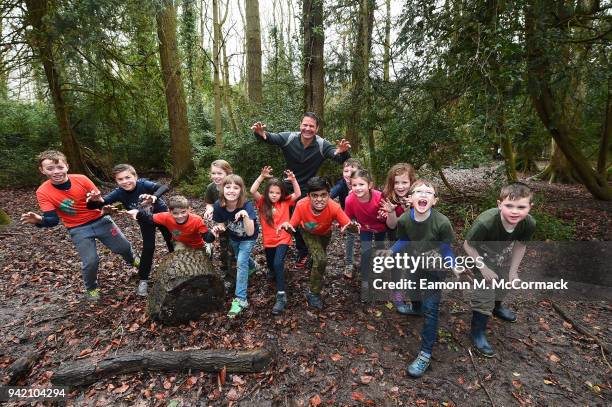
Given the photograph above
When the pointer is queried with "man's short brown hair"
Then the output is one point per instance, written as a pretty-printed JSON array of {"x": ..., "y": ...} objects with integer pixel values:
[
  {"x": 178, "y": 202},
  {"x": 516, "y": 190},
  {"x": 53, "y": 155}
]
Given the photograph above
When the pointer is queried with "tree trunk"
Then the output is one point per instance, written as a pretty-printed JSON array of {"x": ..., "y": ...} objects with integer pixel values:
[
  {"x": 41, "y": 41},
  {"x": 86, "y": 372},
  {"x": 227, "y": 89},
  {"x": 216, "y": 77},
  {"x": 606, "y": 135},
  {"x": 314, "y": 72},
  {"x": 180, "y": 150},
  {"x": 506, "y": 145},
  {"x": 360, "y": 80},
  {"x": 3, "y": 70},
  {"x": 253, "y": 52},
  {"x": 184, "y": 286},
  {"x": 539, "y": 17},
  {"x": 558, "y": 169},
  {"x": 387, "y": 49},
  {"x": 22, "y": 366}
]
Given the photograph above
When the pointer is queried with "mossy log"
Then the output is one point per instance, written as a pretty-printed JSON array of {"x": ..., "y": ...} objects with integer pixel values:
[{"x": 185, "y": 286}]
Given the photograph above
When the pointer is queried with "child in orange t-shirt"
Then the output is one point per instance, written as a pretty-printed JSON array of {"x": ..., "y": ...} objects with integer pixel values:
[
  {"x": 273, "y": 208},
  {"x": 64, "y": 197},
  {"x": 315, "y": 215},
  {"x": 188, "y": 229}
]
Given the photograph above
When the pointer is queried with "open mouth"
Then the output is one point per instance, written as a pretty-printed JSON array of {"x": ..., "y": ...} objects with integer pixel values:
[{"x": 422, "y": 203}]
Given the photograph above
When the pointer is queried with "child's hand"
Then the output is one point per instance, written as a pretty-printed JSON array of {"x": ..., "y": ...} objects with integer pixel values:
[
  {"x": 406, "y": 202},
  {"x": 266, "y": 172},
  {"x": 133, "y": 213},
  {"x": 290, "y": 175},
  {"x": 353, "y": 226},
  {"x": 147, "y": 199},
  {"x": 208, "y": 213},
  {"x": 218, "y": 229},
  {"x": 384, "y": 253},
  {"x": 488, "y": 274},
  {"x": 285, "y": 226},
  {"x": 342, "y": 146},
  {"x": 94, "y": 196},
  {"x": 260, "y": 129},
  {"x": 241, "y": 215},
  {"x": 387, "y": 206},
  {"x": 31, "y": 218},
  {"x": 109, "y": 210}
]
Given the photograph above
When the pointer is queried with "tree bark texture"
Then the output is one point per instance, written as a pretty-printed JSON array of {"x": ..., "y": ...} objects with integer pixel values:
[
  {"x": 216, "y": 74},
  {"x": 253, "y": 52},
  {"x": 387, "y": 45},
  {"x": 41, "y": 41},
  {"x": 85, "y": 372},
  {"x": 314, "y": 72},
  {"x": 180, "y": 151},
  {"x": 184, "y": 286},
  {"x": 539, "y": 21}
]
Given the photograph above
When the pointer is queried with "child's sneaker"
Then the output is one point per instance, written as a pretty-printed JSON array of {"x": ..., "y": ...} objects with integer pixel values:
[
  {"x": 208, "y": 249},
  {"x": 281, "y": 303},
  {"x": 143, "y": 286},
  {"x": 237, "y": 306},
  {"x": 314, "y": 300},
  {"x": 348, "y": 271},
  {"x": 136, "y": 262},
  {"x": 300, "y": 264},
  {"x": 418, "y": 367},
  {"x": 92, "y": 295}
]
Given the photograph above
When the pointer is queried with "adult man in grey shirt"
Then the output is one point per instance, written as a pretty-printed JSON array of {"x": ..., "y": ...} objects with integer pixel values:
[{"x": 304, "y": 153}]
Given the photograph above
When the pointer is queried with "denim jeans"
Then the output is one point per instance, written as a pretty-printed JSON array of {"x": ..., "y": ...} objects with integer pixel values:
[
  {"x": 275, "y": 257},
  {"x": 350, "y": 248},
  {"x": 370, "y": 241},
  {"x": 242, "y": 250},
  {"x": 430, "y": 305},
  {"x": 84, "y": 238}
]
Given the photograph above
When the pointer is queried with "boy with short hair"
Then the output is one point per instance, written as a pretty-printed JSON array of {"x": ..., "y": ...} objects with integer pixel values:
[
  {"x": 188, "y": 229},
  {"x": 495, "y": 234},
  {"x": 314, "y": 215},
  {"x": 135, "y": 193},
  {"x": 64, "y": 197},
  {"x": 341, "y": 191}
]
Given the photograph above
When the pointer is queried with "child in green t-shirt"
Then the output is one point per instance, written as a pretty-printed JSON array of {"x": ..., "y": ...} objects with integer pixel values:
[{"x": 496, "y": 237}]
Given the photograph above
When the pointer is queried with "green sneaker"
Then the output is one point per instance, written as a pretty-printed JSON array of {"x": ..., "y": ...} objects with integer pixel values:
[
  {"x": 136, "y": 262},
  {"x": 93, "y": 295},
  {"x": 237, "y": 306}
]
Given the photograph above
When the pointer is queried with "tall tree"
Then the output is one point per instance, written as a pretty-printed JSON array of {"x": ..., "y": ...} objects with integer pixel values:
[
  {"x": 548, "y": 38},
  {"x": 42, "y": 42},
  {"x": 387, "y": 44},
  {"x": 216, "y": 73},
  {"x": 360, "y": 80},
  {"x": 314, "y": 72},
  {"x": 253, "y": 51},
  {"x": 182, "y": 163}
]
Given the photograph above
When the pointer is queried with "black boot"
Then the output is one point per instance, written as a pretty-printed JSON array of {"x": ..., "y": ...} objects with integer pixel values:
[
  {"x": 281, "y": 303},
  {"x": 479, "y": 334},
  {"x": 503, "y": 313}
]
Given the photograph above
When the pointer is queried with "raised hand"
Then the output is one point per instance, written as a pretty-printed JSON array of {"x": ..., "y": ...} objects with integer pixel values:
[
  {"x": 241, "y": 214},
  {"x": 387, "y": 206},
  {"x": 266, "y": 172},
  {"x": 208, "y": 213},
  {"x": 260, "y": 129},
  {"x": 109, "y": 210},
  {"x": 31, "y": 218},
  {"x": 290, "y": 175},
  {"x": 147, "y": 199},
  {"x": 132, "y": 212},
  {"x": 285, "y": 226},
  {"x": 218, "y": 229},
  {"x": 94, "y": 196},
  {"x": 352, "y": 226},
  {"x": 342, "y": 146}
]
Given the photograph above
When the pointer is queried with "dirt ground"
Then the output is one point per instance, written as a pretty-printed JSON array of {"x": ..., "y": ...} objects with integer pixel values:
[{"x": 348, "y": 354}]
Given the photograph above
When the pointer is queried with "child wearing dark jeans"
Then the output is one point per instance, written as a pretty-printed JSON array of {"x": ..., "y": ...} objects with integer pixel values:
[{"x": 135, "y": 193}]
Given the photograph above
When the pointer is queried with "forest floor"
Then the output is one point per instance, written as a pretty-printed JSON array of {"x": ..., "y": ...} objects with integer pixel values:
[{"x": 348, "y": 354}]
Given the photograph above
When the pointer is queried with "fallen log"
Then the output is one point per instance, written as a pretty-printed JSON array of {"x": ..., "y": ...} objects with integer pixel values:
[
  {"x": 85, "y": 372},
  {"x": 184, "y": 286},
  {"x": 22, "y": 366}
]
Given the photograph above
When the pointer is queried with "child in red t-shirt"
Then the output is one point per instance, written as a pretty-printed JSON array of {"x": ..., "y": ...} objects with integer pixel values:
[
  {"x": 363, "y": 205},
  {"x": 315, "y": 215},
  {"x": 273, "y": 208},
  {"x": 64, "y": 197},
  {"x": 188, "y": 229}
]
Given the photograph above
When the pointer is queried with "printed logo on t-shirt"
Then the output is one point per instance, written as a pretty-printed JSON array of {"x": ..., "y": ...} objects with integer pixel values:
[
  {"x": 176, "y": 232},
  {"x": 236, "y": 228},
  {"x": 67, "y": 206},
  {"x": 310, "y": 225}
]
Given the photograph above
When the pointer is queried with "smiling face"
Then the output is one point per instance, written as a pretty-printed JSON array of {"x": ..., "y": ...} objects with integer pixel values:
[
  {"x": 217, "y": 174},
  {"x": 346, "y": 173},
  {"x": 318, "y": 200},
  {"x": 513, "y": 211},
  {"x": 401, "y": 185},
  {"x": 126, "y": 180},
  {"x": 231, "y": 192},
  {"x": 180, "y": 215},
  {"x": 56, "y": 171},
  {"x": 423, "y": 197},
  {"x": 361, "y": 188},
  {"x": 308, "y": 128},
  {"x": 274, "y": 194}
]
